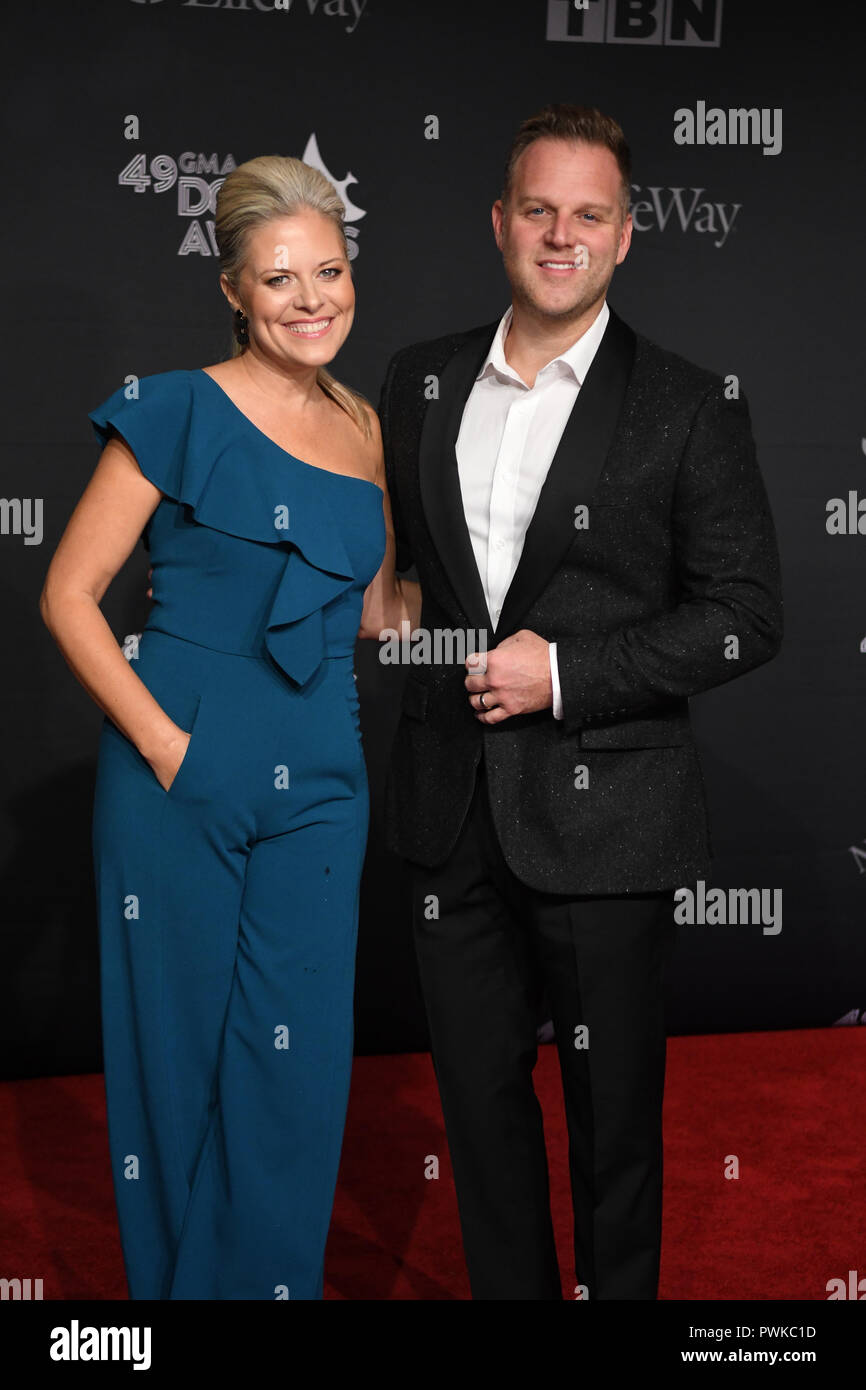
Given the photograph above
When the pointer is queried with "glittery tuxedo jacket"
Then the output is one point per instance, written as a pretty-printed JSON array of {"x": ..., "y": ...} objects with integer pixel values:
[{"x": 666, "y": 585}]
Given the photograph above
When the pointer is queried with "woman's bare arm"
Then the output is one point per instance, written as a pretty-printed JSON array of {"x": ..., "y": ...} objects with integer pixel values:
[
  {"x": 388, "y": 601},
  {"x": 101, "y": 535}
]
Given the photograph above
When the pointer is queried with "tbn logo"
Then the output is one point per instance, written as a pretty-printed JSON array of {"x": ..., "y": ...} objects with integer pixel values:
[{"x": 692, "y": 23}]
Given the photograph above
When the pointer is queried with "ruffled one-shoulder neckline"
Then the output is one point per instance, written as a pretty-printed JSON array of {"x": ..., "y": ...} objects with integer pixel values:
[
  {"x": 232, "y": 405},
  {"x": 204, "y": 461}
]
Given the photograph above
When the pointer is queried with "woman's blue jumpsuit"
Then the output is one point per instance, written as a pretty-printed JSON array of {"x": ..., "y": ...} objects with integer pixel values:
[{"x": 228, "y": 905}]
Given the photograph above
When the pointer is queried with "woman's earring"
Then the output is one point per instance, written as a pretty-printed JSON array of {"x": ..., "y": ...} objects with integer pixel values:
[{"x": 242, "y": 332}]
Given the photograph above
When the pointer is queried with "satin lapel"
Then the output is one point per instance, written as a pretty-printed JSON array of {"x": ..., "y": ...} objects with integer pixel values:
[
  {"x": 573, "y": 472},
  {"x": 440, "y": 481}
]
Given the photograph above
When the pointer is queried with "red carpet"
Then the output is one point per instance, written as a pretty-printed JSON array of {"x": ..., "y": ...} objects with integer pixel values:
[{"x": 788, "y": 1105}]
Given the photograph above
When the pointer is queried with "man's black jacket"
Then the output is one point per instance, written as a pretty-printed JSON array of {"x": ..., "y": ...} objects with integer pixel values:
[{"x": 668, "y": 583}]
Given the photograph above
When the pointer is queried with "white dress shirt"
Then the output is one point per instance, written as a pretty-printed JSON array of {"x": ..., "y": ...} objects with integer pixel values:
[{"x": 508, "y": 437}]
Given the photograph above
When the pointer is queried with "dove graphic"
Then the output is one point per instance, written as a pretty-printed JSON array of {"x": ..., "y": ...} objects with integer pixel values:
[{"x": 312, "y": 156}]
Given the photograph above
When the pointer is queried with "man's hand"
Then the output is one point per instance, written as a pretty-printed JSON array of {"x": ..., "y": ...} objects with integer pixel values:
[{"x": 516, "y": 679}]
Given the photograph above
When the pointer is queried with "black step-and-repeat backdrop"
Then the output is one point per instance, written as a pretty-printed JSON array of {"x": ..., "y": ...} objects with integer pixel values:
[{"x": 745, "y": 121}]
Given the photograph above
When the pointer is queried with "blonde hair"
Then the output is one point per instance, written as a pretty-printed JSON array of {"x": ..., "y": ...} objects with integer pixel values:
[{"x": 270, "y": 186}]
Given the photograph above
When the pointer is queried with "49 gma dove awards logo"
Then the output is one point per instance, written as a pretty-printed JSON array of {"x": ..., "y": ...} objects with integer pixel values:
[{"x": 194, "y": 179}]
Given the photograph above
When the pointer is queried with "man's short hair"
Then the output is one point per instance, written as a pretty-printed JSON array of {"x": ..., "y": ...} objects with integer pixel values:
[{"x": 561, "y": 121}]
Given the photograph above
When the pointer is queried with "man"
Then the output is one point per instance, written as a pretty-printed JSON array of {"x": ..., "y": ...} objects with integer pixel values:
[{"x": 594, "y": 503}]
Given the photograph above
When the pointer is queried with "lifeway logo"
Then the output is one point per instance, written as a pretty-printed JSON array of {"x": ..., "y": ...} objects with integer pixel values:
[
  {"x": 331, "y": 9},
  {"x": 683, "y": 23},
  {"x": 685, "y": 207}
]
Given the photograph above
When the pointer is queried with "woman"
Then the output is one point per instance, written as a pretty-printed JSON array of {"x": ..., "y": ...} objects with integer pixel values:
[{"x": 231, "y": 806}]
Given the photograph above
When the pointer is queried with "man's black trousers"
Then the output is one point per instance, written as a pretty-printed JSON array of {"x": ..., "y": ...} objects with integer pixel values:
[{"x": 489, "y": 950}]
